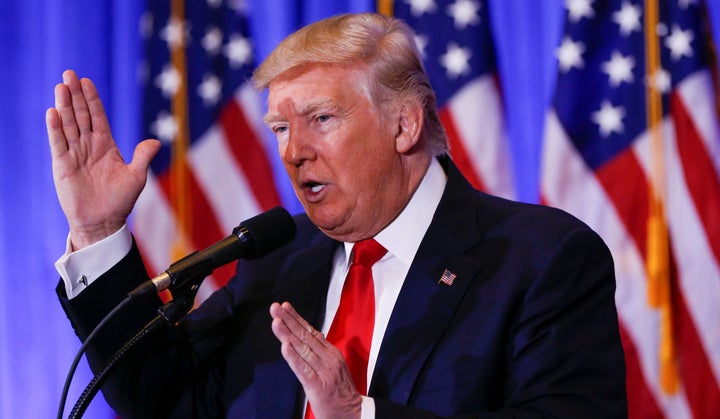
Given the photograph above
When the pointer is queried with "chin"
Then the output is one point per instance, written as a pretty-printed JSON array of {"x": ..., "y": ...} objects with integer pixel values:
[{"x": 332, "y": 224}]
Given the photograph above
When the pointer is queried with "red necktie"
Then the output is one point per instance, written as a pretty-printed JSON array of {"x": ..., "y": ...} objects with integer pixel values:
[{"x": 352, "y": 328}]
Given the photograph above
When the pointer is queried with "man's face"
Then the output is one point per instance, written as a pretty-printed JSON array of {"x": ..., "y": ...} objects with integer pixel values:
[{"x": 339, "y": 150}]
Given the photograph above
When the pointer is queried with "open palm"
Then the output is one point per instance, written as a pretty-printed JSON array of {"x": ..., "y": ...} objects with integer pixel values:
[{"x": 96, "y": 189}]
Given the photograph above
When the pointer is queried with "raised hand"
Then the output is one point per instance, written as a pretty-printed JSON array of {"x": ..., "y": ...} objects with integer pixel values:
[
  {"x": 318, "y": 365},
  {"x": 96, "y": 189}
]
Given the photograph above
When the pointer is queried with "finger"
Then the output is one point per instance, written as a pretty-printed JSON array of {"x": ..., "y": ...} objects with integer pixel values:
[
  {"x": 63, "y": 105},
  {"x": 289, "y": 332},
  {"x": 303, "y": 370},
  {"x": 299, "y": 327},
  {"x": 143, "y": 155},
  {"x": 58, "y": 144},
  {"x": 294, "y": 352},
  {"x": 97, "y": 116},
  {"x": 79, "y": 104}
]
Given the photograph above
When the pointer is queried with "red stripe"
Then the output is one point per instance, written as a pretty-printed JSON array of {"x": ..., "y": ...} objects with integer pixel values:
[
  {"x": 702, "y": 181},
  {"x": 204, "y": 228},
  {"x": 458, "y": 152},
  {"x": 641, "y": 403},
  {"x": 701, "y": 388},
  {"x": 624, "y": 181},
  {"x": 250, "y": 155}
]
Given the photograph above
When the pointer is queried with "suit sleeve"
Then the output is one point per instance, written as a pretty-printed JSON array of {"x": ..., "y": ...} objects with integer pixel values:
[
  {"x": 167, "y": 374},
  {"x": 562, "y": 353}
]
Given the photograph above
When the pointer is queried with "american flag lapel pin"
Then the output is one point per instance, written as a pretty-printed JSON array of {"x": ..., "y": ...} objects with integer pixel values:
[{"x": 447, "y": 278}]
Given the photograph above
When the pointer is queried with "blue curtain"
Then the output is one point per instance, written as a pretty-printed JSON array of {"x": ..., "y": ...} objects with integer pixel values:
[
  {"x": 38, "y": 40},
  {"x": 100, "y": 39}
]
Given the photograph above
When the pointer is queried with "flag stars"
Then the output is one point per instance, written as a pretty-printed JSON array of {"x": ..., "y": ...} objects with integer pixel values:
[
  {"x": 212, "y": 41},
  {"x": 619, "y": 69},
  {"x": 578, "y": 9},
  {"x": 174, "y": 33},
  {"x": 210, "y": 89},
  {"x": 569, "y": 54},
  {"x": 609, "y": 119},
  {"x": 456, "y": 60},
  {"x": 628, "y": 18},
  {"x": 464, "y": 12},
  {"x": 679, "y": 43},
  {"x": 165, "y": 127},
  {"x": 238, "y": 51},
  {"x": 420, "y": 7},
  {"x": 168, "y": 81},
  {"x": 661, "y": 80}
]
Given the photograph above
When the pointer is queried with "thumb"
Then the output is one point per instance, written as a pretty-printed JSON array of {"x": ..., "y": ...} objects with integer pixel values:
[{"x": 144, "y": 153}]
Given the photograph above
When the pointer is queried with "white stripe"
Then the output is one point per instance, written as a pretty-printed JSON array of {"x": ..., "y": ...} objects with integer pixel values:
[
  {"x": 250, "y": 103},
  {"x": 569, "y": 184},
  {"x": 698, "y": 270},
  {"x": 208, "y": 287},
  {"x": 155, "y": 229},
  {"x": 477, "y": 111},
  {"x": 696, "y": 92},
  {"x": 223, "y": 181},
  {"x": 153, "y": 226}
]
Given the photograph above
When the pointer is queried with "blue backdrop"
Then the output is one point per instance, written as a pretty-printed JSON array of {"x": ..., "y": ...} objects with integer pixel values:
[{"x": 100, "y": 39}]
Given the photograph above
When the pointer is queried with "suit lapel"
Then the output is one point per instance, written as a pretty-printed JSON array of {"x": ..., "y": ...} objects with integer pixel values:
[
  {"x": 303, "y": 282},
  {"x": 425, "y": 303}
]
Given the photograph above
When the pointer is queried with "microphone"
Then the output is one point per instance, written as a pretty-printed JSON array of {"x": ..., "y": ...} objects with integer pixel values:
[{"x": 252, "y": 239}]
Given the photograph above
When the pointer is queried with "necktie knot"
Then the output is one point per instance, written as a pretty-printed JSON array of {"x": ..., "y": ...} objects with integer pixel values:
[{"x": 367, "y": 252}]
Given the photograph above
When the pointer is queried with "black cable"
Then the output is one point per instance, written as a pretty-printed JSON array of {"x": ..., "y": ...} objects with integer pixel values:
[
  {"x": 170, "y": 312},
  {"x": 81, "y": 351},
  {"x": 92, "y": 388}
]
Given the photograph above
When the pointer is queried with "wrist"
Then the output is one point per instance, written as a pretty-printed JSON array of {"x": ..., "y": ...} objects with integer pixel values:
[{"x": 84, "y": 237}]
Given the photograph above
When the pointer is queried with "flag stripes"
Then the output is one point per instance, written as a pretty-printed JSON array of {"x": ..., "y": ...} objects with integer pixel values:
[
  {"x": 459, "y": 57},
  {"x": 199, "y": 64}
]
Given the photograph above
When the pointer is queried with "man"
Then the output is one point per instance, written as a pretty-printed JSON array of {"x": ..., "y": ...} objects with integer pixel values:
[{"x": 482, "y": 307}]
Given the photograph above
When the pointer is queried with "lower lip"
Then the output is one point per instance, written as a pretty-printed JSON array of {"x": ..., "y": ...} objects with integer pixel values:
[{"x": 312, "y": 196}]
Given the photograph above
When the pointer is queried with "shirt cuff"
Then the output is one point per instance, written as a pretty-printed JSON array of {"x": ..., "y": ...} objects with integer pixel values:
[
  {"x": 367, "y": 409},
  {"x": 80, "y": 268}
]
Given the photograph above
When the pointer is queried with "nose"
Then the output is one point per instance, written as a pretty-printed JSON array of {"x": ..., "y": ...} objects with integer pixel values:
[{"x": 298, "y": 148}]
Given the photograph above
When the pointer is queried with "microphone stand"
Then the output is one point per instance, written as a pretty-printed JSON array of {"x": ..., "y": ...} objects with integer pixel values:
[{"x": 170, "y": 313}]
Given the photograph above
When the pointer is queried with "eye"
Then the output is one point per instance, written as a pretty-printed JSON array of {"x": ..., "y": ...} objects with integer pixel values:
[
  {"x": 322, "y": 118},
  {"x": 279, "y": 129}
]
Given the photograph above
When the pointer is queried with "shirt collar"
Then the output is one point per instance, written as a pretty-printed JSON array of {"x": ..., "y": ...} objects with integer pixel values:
[{"x": 402, "y": 237}]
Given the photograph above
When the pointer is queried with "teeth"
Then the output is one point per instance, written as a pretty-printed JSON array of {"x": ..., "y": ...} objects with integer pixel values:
[{"x": 317, "y": 188}]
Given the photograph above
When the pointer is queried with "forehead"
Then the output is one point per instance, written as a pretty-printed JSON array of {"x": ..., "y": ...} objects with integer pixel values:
[{"x": 319, "y": 84}]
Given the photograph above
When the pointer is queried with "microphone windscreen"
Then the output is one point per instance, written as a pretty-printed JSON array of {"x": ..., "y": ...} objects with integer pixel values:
[{"x": 268, "y": 231}]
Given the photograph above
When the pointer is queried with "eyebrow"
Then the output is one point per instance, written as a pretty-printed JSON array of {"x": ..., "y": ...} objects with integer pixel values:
[{"x": 306, "y": 110}]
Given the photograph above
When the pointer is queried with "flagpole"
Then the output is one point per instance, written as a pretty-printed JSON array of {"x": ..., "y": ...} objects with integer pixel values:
[
  {"x": 179, "y": 172},
  {"x": 385, "y": 7},
  {"x": 658, "y": 242}
]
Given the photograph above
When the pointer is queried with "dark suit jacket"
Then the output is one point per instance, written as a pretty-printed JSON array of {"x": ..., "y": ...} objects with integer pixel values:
[{"x": 527, "y": 329}]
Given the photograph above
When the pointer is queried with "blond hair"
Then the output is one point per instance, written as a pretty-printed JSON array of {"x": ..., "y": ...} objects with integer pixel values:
[{"x": 383, "y": 44}]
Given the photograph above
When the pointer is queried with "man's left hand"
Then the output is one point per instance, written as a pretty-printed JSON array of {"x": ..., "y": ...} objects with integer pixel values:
[{"x": 318, "y": 365}]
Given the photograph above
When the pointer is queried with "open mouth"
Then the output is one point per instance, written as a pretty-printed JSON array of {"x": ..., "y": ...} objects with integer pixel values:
[
  {"x": 316, "y": 187},
  {"x": 313, "y": 190}
]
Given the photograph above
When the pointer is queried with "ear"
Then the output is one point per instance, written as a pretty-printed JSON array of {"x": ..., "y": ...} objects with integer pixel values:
[{"x": 410, "y": 125}]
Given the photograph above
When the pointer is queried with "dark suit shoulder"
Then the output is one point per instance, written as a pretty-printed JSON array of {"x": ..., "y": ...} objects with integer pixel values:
[{"x": 497, "y": 214}]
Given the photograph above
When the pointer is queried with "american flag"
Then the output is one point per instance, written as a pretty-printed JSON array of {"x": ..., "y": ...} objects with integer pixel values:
[
  {"x": 447, "y": 278},
  {"x": 458, "y": 52},
  {"x": 213, "y": 170},
  {"x": 632, "y": 147}
]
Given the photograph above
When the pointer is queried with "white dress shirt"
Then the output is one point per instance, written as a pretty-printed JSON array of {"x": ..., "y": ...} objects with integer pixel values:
[{"x": 401, "y": 238}]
